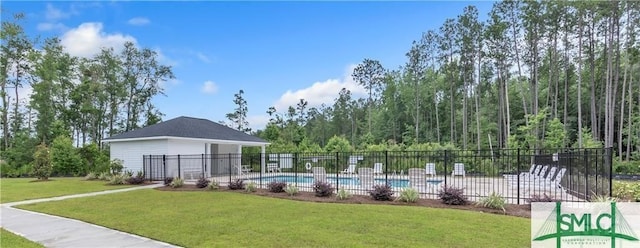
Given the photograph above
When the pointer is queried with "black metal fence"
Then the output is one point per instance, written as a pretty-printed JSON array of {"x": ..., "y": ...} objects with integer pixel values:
[{"x": 516, "y": 174}]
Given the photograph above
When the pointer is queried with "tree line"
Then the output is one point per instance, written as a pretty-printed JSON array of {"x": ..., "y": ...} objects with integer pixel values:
[
  {"x": 75, "y": 101},
  {"x": 548, "y": 74}
]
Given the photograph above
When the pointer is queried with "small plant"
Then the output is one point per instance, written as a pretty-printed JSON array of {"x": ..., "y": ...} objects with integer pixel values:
[
  {"x": 42, "y": 164},
  {"x": 495, "y": 201},
  {"x": 104, "y": 176},
  {"x": 214, "y": 185},
  {"x": 177, "y": 182},
  {"x": 236, "y": 185},
  {"x": 91, "y": 176},
  {"x": 322, "y": 189},
  {"x": 167, "y": 181},
  {"x": 116, "y": 166},
  {"x": 452, "y": 196},
  {"x": 602, "y": 198},
  {"x": 138, "y": 179},
  {"x": 343, "y": 194},
  {"x": 202, "y": 183},
  {"x": 277, "y": 187},
  {"x": 117, "y": 179},
  {"x": 541, "y": 198},
  {"x": 408, "y": 195},
  {"x": 381, "y": 192},
  {"x": 291, "y": 190},
  {"x": 251, "y": 187}
]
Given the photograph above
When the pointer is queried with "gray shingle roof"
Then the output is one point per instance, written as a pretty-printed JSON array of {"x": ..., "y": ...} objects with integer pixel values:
[{"x": 188, "y": 127}]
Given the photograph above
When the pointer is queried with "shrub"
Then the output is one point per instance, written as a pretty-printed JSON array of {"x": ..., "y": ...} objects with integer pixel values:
[
  {"x": 177, "y": 182},
  {"x": 42, "y": 162},
  {"x": 91, "y": 176},
  {"x": 452, "y": 196},
  {"x": 602, "y": 198},
  {"x": 104, "y": 176},
  {"x": 277, "y": 187},
  {"x": 322, "y": 189},
  {"x": 138, "y": 179},
  {"x": 65, "y": 158},
  {"x": 291, "y": 190},
  {"x": 343, "y": 194},
  {"x": 236, "y": 185},
  {"x": 381, "y": 192},
  {"x": 116, "y": 166},
  {"x": 214, "y": 185},
  {"x": 541, "y": 198},
  {"x": 495, "y": 201},
  {"x": 626, "y": 190},
  {"x": 202, "y": 182},
  {"x": 167, "y": 181},
  {"x": 117, "y": 179},
  {"x": 408, "y": 195},
  {"x": 251, "y": 187}
]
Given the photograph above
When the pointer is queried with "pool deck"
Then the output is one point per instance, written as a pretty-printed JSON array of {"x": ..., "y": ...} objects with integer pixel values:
[{"x": 474, "y": 187}]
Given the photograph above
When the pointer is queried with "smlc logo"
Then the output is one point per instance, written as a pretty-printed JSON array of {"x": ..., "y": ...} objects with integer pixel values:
[{"x": 595, "y": 227}]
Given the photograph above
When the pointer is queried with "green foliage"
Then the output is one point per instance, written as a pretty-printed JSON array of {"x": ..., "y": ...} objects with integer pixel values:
[
  {"x": 177, "y": 182},
  {"x": 291, "y": 190},
  {"x": 556, "y": 135},
  {"x": 343, "y": 194},
  {"x": 494, "y": 200},
  {"x": 626, "y": 167},
  {"x": 42, "y": 162},
  {"x": 587, "y": 140},
  {"x": 214, "y": 185},
  {"x": 338, "y": 144},
  {"x": 16, "y": 160},
  {"x": 92, "y": 176},
  {"x": 117, "y": 179},
  {"x": 628, "y": 191},
  {"x": 251, "y": 187},
  {"x": 116, "y": 166},
  {"x": 408, "y": 195},
  {"x": 65, "y": 158},
  {"x": 93, "y": 158}
]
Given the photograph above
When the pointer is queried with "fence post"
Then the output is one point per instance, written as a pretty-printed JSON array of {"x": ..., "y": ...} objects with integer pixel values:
[
  {"x": 179, "y": 173},
  {"x": 609, "y": 158},
  {"x": 386, "y": 165},
  {"x": 229, "y": 163},
  {"x": 164, "y": 165},
  {"x": 150, "y": 168},
  {"x": 518, "y": 176},
  {"x": 586, "y": 174},
  {"x": 337, "y": 170},
  {"x": 295, "y": 167},
  {"x": 203, "y": 166},
  {"x": 446, "y": 160}
]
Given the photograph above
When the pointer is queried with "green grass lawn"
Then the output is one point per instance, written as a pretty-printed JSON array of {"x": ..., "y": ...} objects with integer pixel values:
[
  {"x": 9, "y": 239},
  {"x": 227, "y": 219},
  {"x": 19, "y": 189}
]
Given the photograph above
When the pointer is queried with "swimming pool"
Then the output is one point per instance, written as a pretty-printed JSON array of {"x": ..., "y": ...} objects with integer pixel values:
[{"x": 396, "y": 183}]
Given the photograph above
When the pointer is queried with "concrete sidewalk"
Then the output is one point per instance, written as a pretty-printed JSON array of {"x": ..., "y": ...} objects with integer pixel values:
[{"x": 55, "y": 231}]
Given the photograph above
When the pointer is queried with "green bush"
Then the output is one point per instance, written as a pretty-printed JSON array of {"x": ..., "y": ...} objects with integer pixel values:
[
  {"x": 214, "y": 185},
  {"x": 251, "y": 187},
  {"x": 628, "y": 191},
  {"x": 104, "y": 176},
  {"x": 118, "y": 179},
  {"x": 94, "y": 159},
  {"x": 291, "y": 190},
  {"x": 116, "y": 166},
  {"x": 65, "y": 158},
  {"x": 495, "y": 201},
  {"x": 92, "y": 176},
  {"x": 343, "y": 194},
  {"x": 408, "y": 195},
  {"x": 42, "y": 162},
  {"x": 626, "y": 167},
  {"x": 177, "y": 182}
]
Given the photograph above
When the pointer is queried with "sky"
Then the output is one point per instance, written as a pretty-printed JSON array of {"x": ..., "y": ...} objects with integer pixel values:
[{"x": 277, "y": 52}]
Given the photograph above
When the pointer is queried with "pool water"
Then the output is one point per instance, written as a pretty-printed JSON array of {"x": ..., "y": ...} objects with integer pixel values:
[{"x": 396, "y": 183}]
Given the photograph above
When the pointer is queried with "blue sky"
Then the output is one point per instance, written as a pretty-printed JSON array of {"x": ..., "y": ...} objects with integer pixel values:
[{"x": 277, "y": 52}]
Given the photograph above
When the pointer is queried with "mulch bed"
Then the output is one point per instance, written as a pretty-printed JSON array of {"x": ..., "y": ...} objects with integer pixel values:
[{"x": 511, "y": 209}]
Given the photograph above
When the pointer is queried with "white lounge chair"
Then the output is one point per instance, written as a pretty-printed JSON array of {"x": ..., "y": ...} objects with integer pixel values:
[
  {"x": 319, "y": 174},
  {"x": 418, "y": 180},
  {"x": 548, "y": 184},
  {"x": 524, "y": 176},
  {"x": 273, "y": 163},
  {"x": 377, "y": 168},
  {"x": 365, "y": 177},
  {"x": 458, "y": 170},
  {"x": 350, "y": 170},
  {"x": 531, "y": 171},
  {"x": 430, "y": 169}
]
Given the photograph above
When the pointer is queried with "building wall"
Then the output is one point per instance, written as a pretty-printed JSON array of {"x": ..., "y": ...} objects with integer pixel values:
[{"x": 131, "y": 152}]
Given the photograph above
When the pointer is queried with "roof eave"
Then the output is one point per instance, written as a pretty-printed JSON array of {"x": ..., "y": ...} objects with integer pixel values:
[{"x": 215, "y": 141}]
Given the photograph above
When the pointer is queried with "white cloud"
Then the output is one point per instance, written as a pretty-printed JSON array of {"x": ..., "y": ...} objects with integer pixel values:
[
  {"x": 321, "y": 92},
  {"x": 54, "y": 14},
  {"x": 203, "y": 58},
  {"x": 139, "y": 21},
  {"x": 87, "y": 39},
  {"x": 163, "y": 59},
  {"x": 48, "y": 26},
  {"x": 257, "y": 122},
  {"x": 209, "y": 87}
]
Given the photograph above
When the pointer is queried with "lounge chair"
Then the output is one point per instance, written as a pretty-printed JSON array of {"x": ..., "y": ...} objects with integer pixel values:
[
  {"x": 350, "y": 170},
  {"x": 272, "y": 164},
  {"x": 430, "y": 169},
  {"x": 418, "y": 180},
  {"x": 548, "y": 184},
  {"x": 458, "y": 170},
  {"x": 377, "y": 169},
  {"x": 319, "y": 174},
  {"x": 365, "y": 177},
  {"x": 531, "y": 175}
]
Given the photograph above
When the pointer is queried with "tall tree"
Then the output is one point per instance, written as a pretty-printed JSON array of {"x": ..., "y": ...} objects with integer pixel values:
[
  {"x": 239, "y": 116},
  {"x": 370, "y": 75}
]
